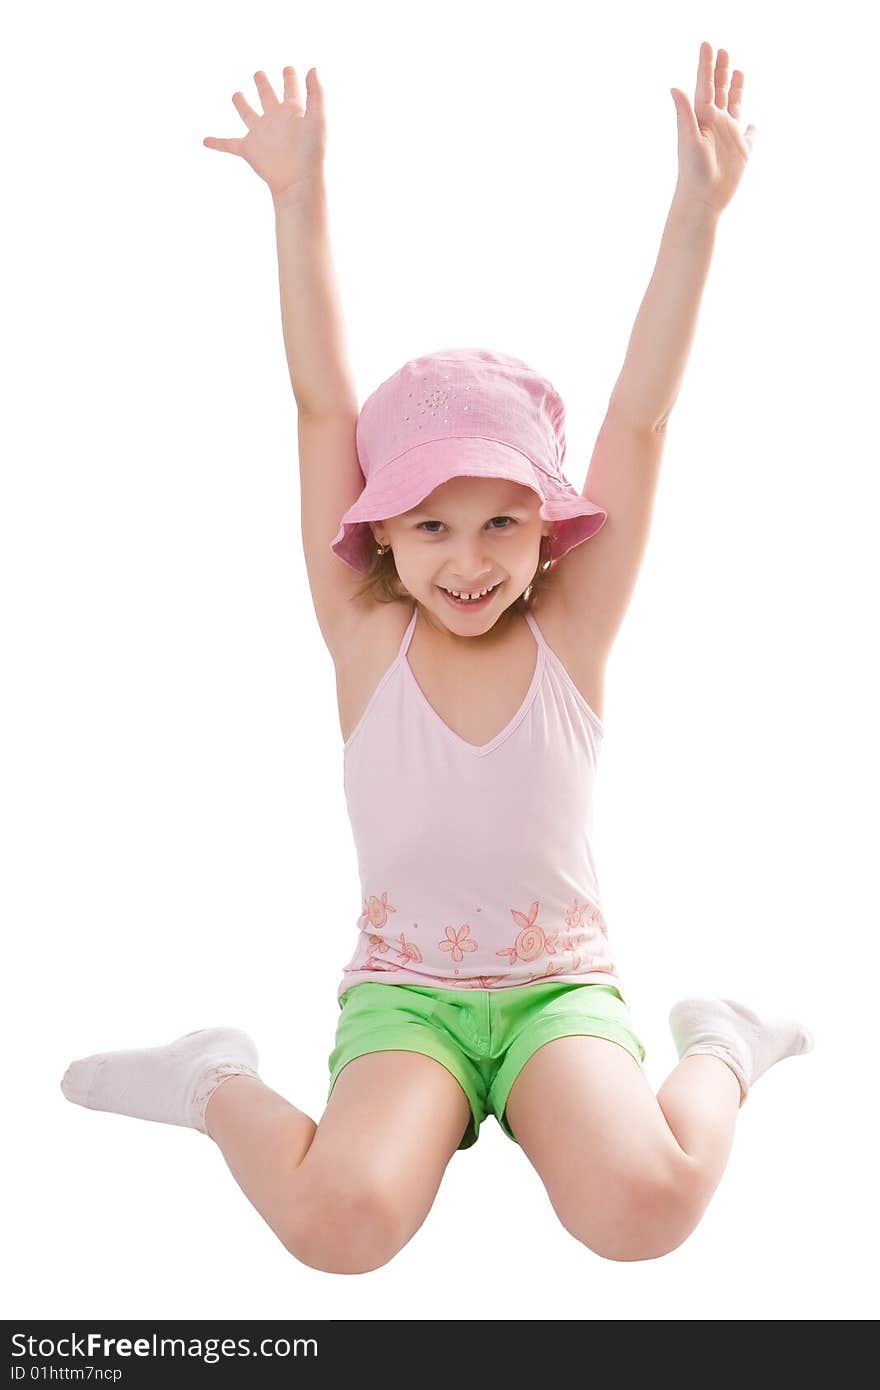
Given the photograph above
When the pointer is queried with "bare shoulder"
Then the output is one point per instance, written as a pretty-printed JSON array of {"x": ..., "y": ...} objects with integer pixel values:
[
  {"x": 583, "y": 660},
  {"x": 365, "y": 641},
  {"x": 364, "y": 627},
  {"x": 363, "y": 645}
]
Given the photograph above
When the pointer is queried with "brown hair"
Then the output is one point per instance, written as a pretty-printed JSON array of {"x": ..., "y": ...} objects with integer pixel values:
[{"x": 382, "y": 583}]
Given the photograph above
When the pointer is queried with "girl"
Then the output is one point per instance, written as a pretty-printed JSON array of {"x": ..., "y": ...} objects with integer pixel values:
[{"x": 469, "y": 598}]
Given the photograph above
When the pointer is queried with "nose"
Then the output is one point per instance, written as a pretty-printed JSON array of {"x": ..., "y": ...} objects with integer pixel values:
[
  {"x": 473, "y": 567},
  {"x": 470, "y": 586}
]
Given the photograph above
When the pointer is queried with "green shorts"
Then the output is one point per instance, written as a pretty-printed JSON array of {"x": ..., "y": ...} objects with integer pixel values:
[{"x": 483, "y": 1037}]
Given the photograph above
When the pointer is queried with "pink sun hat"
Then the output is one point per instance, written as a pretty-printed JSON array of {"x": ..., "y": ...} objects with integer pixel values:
[{"x": 462, "y": 412}]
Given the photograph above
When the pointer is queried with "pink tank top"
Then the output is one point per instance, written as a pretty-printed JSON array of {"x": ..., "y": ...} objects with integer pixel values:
[{"x": 476, "y": 865}]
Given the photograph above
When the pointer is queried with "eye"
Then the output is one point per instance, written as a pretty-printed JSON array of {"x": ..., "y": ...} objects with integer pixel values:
[{"x": 494, "y": 518}]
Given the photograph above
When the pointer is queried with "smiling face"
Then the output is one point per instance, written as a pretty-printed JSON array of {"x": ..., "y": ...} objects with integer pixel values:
[{"x": 467, "y": 535}]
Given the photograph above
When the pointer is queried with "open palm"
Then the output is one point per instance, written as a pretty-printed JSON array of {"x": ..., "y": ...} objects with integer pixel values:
[
  {"x": 285, "y": 145},
  {"x": 712, "y": 150}
]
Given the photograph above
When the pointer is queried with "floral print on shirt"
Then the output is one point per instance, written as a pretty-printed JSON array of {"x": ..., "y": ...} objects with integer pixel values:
[{"x": 580, "y": 947}]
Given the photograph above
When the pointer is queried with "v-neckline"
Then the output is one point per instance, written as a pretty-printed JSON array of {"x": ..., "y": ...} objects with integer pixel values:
[{"x": 479, "y": 750}]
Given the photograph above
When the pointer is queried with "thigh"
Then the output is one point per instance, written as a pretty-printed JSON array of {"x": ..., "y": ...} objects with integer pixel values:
[
  {"x": 378, "y": 1018},
  {"x": 587, "y": 1119},
  {"x": 584, "y": 1113},
  {"x": 392, "y": 1123}
]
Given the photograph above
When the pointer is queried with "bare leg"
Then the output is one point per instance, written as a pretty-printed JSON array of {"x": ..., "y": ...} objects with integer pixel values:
[
  {"x": 342, "y": 1196},
  {"x": 345, "y": 1195},
  {"x": 724, "y": 1047},
  {"x": 263, "y": 1139},
  {"x": 700, "y": 1101},
  {"x": 629, "y": 1173}
]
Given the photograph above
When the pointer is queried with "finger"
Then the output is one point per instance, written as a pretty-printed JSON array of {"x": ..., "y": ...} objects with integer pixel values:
[
  {"x": 734, "y": 100},
  {"x": 722, "y": 77},
  {"x": 230, "y": 146},
  {"x": 292, "y": 93},
  {"x": 247, "y": 113},
  {"x": 315, "y": 106},
  {"x": 687, "y": 121},
  {"x": 749, "y": 136},
  {"x": 266, "y": 90},
  {"x": 703, "y": 91}
]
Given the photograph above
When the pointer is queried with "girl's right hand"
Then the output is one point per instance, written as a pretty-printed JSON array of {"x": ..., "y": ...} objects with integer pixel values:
[{"x": 286, "y": 144}]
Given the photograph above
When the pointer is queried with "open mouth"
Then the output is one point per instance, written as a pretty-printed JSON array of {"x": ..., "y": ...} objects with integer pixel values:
[{"x": 470, "y": 602}]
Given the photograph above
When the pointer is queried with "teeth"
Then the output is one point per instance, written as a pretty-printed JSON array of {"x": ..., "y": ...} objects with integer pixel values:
[{"x": 469, "y": 597}]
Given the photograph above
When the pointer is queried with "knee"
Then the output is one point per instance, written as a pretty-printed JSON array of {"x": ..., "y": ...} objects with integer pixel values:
[
  {"x": 344, "y": 1227},
  {"x": 644, "y": 1215}
]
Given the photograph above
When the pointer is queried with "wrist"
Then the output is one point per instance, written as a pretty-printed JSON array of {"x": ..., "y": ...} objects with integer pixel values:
[
  {"x": 305, "y": 193},
  {"x": 692, "y": 210}
]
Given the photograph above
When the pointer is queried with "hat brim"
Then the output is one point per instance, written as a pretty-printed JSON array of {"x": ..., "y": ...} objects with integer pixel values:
[{"x": 408, "y": 479}]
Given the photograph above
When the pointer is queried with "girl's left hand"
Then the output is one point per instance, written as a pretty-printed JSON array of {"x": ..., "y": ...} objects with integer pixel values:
[{"x": 712, "y": 151}]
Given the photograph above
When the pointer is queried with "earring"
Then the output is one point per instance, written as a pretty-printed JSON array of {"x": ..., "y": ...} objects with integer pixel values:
[{"x": 380, "y": 549}]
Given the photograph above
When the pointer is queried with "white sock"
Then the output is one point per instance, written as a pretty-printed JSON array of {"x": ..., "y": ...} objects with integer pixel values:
[
  {"x": 748, "y": 1043},
  {"x": 170, "y": 1084}
]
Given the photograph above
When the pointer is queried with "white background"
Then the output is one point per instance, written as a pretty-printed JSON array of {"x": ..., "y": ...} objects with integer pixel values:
[{"x": 175, "y": 845}]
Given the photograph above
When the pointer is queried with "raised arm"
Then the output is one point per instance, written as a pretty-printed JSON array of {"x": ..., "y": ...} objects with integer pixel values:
[
  {"x": 712, "y": 156},
  {"x": 596, "y": 580},
  {"x": 285, "y": 146},
  {"x": 311, "y": 312}
]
